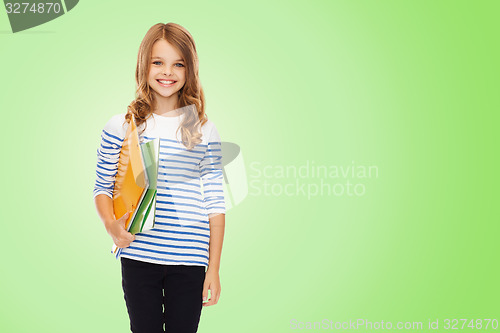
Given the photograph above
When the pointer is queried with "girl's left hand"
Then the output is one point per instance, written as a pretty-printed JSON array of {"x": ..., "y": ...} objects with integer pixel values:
[{"x": 212, "y": 282}]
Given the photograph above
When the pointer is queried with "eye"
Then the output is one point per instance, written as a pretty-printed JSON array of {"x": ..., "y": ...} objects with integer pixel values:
[
  {"x": 180, "y": 64},
  {"x": 154, "y": 62}
]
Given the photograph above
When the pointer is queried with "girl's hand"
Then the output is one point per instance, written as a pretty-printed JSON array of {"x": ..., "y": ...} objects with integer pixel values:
[
  {"x": 116, "y": 229},
  {"x": 212, "y": 282}
]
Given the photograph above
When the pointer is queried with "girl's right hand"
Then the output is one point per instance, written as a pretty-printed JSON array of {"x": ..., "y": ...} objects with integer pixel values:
[{"x": 116, "y": 229}]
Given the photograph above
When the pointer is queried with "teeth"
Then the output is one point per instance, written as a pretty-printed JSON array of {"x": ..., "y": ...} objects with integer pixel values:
[{"x": 166, "y": 82}]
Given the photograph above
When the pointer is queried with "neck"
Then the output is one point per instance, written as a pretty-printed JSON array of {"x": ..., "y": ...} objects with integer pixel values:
[{"x": 164, "y": 105}]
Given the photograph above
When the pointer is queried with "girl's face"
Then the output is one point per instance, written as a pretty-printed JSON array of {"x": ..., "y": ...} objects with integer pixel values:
[{"x": 167, "y": 73}]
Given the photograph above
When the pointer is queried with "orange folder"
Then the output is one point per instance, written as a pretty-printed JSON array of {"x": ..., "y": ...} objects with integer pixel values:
[{"x": 131, "y": 179}]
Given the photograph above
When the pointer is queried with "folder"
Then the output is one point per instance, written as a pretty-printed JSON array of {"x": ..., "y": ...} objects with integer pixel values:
[{"x": 135, "y": 182}]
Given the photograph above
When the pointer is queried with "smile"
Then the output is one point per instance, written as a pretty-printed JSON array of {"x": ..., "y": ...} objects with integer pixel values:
[{"x": 166, "y": 83}]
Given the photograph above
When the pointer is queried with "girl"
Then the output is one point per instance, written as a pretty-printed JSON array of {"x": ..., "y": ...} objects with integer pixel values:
[{"x": 168, "y": 270}]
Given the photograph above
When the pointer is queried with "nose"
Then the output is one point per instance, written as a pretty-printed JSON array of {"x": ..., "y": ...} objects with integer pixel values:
[{"x": 166, "y": 72}]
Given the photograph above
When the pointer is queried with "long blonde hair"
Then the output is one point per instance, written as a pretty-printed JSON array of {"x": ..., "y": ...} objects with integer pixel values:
[{"x": 192, "y": 92}]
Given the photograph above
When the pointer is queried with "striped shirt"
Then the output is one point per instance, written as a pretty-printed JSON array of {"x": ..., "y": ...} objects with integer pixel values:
[{"x": 189, "y": 188}]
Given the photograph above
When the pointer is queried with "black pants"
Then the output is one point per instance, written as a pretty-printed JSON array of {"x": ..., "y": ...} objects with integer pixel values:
[{"x": 162, "y": 294}]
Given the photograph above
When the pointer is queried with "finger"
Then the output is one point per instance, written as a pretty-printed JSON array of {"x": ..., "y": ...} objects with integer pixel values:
[
  {"x": 210, "y": 301},
  {"x": 207, "y": 303},
  {"x": 205, "y": 291},
  {"x": 121, "y": 223},
  {"x": 215, "y": 295},
  {"x": 123, "y": 220}
]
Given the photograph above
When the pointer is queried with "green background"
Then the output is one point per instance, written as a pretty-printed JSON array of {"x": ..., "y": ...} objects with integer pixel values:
[{"x": 410, "y": 87}]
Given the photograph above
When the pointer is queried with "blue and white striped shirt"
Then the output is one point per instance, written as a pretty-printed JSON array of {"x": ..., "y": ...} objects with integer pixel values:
[{"x": 189, "y": 188}]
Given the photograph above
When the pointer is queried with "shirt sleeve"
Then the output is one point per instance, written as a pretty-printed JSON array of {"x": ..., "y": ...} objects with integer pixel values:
[
  {"x": 212, "y": 176},
  {"x": 108, "y": 155}
]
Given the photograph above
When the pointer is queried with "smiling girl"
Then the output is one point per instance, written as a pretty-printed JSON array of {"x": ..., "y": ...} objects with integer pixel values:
[{"x": 167, "y": 271}]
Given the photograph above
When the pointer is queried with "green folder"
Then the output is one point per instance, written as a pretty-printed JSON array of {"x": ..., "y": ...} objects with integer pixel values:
[{"x": 145, "y": 214}]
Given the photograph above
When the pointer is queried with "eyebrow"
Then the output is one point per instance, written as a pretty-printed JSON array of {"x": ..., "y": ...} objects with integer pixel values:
[{"x": 162, "y": 58}]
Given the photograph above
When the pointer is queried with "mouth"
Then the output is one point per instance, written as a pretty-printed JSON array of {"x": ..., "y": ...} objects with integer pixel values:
[{"x": 166, "y": 83}]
